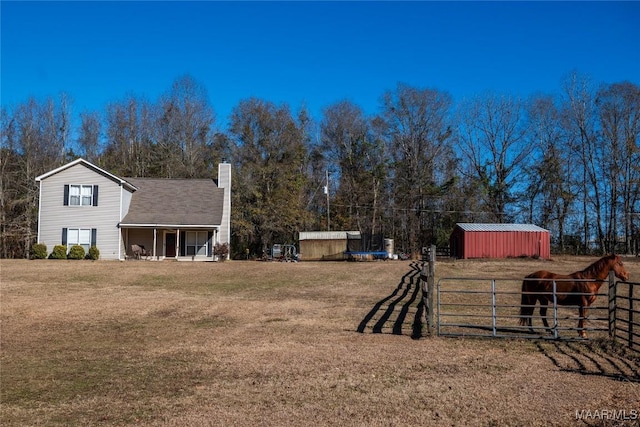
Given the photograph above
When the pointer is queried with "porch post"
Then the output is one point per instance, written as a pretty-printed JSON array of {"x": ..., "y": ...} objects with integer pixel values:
[
  {"x": 177, "y": 243},
  {"x": 216, "y": 240},
  {"x": 155, "y": 240}
]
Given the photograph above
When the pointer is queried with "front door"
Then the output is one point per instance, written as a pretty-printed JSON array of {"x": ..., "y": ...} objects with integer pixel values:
[{"x": 170, "y": 245}]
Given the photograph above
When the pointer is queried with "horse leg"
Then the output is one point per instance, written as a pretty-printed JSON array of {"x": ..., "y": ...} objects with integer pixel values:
[
  {"x": 582, "y": 313},
  {"x": 543, "y": 313},
  {"x": 526, "y": 309},
  {"x": 529, "y": 319}
]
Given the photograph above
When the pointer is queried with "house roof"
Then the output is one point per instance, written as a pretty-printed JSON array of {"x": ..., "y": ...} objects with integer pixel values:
[
  {"x": 174, "y": 202},
  {"x": 500, "y": 227},
  {"x": 91, "y": 166}
]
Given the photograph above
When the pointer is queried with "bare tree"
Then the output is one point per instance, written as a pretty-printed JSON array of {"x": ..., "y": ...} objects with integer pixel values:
[
  {"x": 579, "y": 119},
  {"x": 358, "y": 158},
  {"x": 34, "y": 139},
  {"x": 8, "y": 183},
  {"x": 129, "y": 143},
  {"x": 491, "y": 136},
  {"x": 89, "y": 138},
  {"x": 550, "y": 192},
  {"x": 418, "y": 133},
  {"x": 185, "y": 128},
  {"x": 619, "y": 114}
]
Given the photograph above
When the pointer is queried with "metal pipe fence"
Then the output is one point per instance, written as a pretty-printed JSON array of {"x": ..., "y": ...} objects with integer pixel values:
[
  {"x": 489, "y": 307},
  {"x": 625, "y": 322}
]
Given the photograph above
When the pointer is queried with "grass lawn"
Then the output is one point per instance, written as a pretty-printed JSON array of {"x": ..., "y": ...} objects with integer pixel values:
[{"x": 254, "y": 343}]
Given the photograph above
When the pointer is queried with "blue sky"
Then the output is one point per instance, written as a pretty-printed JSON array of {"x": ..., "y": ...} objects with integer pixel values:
[{"x": 309, "y": 53}]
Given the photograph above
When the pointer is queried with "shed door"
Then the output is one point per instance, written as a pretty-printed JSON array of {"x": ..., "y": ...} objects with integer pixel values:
[{"x": 170, "y": 245}]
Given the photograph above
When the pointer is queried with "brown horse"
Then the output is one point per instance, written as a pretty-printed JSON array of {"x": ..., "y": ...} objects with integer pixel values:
[{"x": 579, "y": 288}]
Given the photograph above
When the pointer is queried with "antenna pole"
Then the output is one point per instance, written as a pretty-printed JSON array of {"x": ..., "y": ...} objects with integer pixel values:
[{"x": 326, "y": 191}]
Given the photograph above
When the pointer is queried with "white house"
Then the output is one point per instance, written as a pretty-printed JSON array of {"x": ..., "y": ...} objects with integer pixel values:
[{"x": 182, "y": 219}]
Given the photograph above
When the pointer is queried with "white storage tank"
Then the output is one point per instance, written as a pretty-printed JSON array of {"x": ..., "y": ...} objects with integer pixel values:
[{"x": 388, "y": 247}]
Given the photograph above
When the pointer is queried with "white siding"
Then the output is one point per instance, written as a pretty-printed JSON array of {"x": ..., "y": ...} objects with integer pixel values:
[
  {"x": 124, "y": 208},
  {"x": 54, "y": 216}
]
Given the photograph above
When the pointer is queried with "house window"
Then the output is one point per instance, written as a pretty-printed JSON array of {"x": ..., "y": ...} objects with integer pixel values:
[
  {"x": 196, "y": 243},
  {"x": 79, "y": 236},
  {"x": 81, "y": 195}
]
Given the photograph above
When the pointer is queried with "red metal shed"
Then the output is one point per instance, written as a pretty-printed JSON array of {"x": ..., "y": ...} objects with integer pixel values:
[{"x": 499, "y": 241}]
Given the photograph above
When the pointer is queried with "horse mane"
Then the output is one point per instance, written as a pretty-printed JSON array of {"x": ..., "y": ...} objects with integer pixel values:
[{"x": 599, "y": 265}]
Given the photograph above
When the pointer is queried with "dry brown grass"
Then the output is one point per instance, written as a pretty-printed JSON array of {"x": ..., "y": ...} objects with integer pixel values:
[{"x": 250, "y": 343}]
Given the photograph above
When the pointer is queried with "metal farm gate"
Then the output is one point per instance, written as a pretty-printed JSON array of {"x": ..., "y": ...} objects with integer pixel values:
[
  {"x": 489, "y": 307},
  {"x": 625, "y": 320}
]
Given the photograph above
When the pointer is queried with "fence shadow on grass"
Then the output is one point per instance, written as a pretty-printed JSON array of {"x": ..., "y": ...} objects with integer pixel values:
[
  {"x": 393, "y": 310},
  {"x": 596, "y": 357}
]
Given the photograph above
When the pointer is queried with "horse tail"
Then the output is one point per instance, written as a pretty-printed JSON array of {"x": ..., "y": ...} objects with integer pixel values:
[{"x": 527, "y": 303}]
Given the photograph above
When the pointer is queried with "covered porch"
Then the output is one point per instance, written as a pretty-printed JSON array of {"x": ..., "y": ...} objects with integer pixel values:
[{"x": 172, "y": 242}]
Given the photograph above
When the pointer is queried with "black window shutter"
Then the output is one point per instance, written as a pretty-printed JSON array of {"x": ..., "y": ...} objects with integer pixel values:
[
  {"x": 64, "y": 235},
  {"x": 66, "y": 195},
  {"x": 209, "y": 239},
  {"x": 94, "y": 235},
  {"x": 95, "y": 195},
  {"x": 183, "y": 243}
]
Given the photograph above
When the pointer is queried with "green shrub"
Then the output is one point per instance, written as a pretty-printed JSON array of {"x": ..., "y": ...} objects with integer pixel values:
[
  {"x": 76, "y": 252},
  {"x": 59, "y": 252},
  {"x": 39, "y": 251},
  {"x": 94, "y": 253}
]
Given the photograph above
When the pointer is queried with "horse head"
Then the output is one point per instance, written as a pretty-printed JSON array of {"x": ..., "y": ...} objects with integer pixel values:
[{"x": 618, "y": 268}]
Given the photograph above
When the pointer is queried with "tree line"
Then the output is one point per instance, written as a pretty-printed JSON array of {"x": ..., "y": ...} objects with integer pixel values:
[{"x": 568, "y": 162}]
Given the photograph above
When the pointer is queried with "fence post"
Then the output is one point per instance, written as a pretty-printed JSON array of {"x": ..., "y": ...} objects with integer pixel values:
[
  {"x": 612, "y": 305},
  {"x": 631, "y": 315},
  {"x": 555, "y": 310},
  {"x": 427, "y": 288},
  {"x": 493, "y": 308}
]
